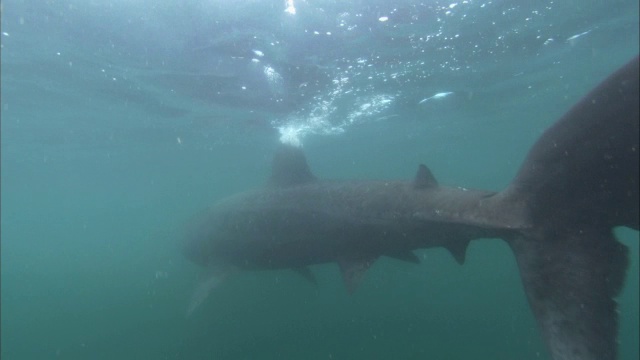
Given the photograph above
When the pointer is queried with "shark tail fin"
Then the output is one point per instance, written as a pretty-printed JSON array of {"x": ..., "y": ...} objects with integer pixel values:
[
  {"x": 570, "y": 279},
  {"x": 578, "y": 182}
]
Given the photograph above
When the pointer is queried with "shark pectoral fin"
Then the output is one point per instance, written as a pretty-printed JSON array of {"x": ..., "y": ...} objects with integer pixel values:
[
  {"x": 208, "y": 281},
  {"x": 353, "y": 271},
  {"x": 570, "y": 281},
  {"x": 458, "y": 250},
  {"x": 306, "y": 273},
  {"x": 407, "y": 256}
]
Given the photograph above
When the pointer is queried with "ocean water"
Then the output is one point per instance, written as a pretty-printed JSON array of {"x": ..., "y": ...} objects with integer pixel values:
[{"x": 122, "y": 119}]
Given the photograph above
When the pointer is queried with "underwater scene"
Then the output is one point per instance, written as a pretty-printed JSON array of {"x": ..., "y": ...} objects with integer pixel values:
[{"x": 126, "y": 122}]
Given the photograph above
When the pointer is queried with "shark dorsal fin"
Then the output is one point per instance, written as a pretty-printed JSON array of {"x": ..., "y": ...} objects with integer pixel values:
[
  {"x": 424, "y": 178},
  {"x": 290, "y": 168}
]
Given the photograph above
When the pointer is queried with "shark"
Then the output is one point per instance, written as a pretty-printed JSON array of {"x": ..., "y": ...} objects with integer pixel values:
[{"x": 578, "y": 182}]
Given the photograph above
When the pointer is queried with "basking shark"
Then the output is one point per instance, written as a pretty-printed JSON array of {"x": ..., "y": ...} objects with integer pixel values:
[{"x": 578, "y": 182}]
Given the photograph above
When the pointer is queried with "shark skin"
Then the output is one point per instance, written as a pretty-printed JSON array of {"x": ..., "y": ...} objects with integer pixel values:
[{"x": 578, "y": 182}]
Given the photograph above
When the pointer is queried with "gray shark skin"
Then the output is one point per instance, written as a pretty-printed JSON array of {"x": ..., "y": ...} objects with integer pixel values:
[{"x": 578, "y": 182}]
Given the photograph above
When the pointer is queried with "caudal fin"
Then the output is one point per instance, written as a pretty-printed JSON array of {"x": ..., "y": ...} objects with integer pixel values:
[
  {"x": 570, "y": 278},
  {"x": 578, "y": 182},
  {"x": 584, "y": 168}
]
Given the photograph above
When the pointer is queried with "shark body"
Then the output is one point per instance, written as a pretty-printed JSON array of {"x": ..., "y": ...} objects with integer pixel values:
[{"x": 578, "y": 182}]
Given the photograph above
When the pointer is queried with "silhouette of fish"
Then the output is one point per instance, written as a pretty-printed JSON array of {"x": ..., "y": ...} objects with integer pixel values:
[{"x": 578, "y": 182}]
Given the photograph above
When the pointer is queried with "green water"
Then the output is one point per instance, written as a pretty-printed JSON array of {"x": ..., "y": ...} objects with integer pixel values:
[{"x": 99, "y": 175}]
